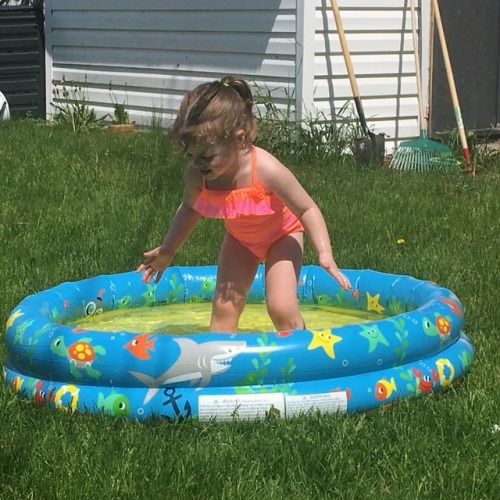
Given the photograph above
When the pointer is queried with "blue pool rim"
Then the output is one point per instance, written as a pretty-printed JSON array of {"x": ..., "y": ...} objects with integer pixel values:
[{"x": 415, "y": 348}]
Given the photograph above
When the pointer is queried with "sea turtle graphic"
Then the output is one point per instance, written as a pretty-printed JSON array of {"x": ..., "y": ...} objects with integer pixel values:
[{"x": 80, "y": 354}]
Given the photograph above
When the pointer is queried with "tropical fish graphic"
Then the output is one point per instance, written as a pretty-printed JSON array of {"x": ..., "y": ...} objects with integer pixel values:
[
  {"x": 453, "y": 305},
  {"x": 384, "y": 388},
  {"x": 140, "y": 344},
  {"x": 40, "y": 397},
  {"x": 284, "y": 333},
  {"x": 208, "y": 285},
  {"x": 125, "y": 301},
  {"x": 115, "y": 404}
]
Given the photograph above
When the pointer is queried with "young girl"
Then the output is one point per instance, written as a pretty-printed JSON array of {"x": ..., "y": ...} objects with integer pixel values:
[{"x": 264, "y": 207}]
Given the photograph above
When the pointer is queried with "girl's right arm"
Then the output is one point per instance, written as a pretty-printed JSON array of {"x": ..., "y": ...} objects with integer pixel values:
[{"x": 183, "y": 223}]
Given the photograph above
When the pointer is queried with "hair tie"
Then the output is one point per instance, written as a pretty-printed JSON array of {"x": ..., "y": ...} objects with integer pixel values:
[{"x": 226, "y": 84}]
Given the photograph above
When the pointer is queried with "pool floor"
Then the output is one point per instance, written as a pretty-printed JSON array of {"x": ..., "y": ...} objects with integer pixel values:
[{"x": 188, "y": 318}]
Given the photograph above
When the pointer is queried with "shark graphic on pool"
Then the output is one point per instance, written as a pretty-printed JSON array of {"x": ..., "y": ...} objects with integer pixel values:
[{"x": 197, "y": 362}]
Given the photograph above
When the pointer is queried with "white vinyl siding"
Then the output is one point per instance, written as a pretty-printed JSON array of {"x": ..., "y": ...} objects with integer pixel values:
[
  {"x": 378, "y": 33},
  {"x": 153, "y": 51}
]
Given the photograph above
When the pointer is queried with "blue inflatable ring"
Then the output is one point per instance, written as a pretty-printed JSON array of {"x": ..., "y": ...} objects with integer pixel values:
[{"x": 416, "y": 347}]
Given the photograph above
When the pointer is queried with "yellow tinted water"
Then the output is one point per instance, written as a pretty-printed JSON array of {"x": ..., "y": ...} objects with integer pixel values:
[{"x": 190, "y": 318}]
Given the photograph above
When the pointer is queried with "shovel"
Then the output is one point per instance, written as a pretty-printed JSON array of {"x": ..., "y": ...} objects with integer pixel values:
[{"x": 371, "y": 147}]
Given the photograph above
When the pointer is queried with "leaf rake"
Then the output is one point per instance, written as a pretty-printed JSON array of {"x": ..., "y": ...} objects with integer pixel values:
[{"x": 421, "y": 154}]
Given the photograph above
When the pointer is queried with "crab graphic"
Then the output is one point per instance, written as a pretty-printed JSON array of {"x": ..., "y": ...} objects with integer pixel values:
[{"x": 80, "y": 354}]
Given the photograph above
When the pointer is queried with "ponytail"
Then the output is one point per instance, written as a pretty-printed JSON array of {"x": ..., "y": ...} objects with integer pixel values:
[{"x": 215, "y": 111}]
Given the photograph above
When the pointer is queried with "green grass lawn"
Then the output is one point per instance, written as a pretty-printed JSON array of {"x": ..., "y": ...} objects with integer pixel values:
[{"x": 76, "y": 205}]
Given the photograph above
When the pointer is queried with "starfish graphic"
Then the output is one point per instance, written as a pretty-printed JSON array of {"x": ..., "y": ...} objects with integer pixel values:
[
  {"x": 325, "y": 339},
  {"x": 373, "y": 303},
  {"x": 374, "y": 336}
]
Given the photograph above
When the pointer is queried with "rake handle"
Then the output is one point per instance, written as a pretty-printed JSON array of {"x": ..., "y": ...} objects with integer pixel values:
[
  {"x": 417, "y": 66},
  {"x": 451, "y": 81}
]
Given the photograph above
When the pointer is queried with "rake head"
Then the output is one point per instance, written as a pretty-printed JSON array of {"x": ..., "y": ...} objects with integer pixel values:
[{"x": 422, "y": 155}]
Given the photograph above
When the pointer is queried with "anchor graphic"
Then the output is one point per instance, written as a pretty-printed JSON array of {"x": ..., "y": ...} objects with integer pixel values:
[{"x": 172, "y": 400}]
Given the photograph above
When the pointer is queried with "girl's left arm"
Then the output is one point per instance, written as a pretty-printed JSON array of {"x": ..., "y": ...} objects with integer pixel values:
[
  {"x": 315, "y": 226},
  {"x": 282, "y": 183}
]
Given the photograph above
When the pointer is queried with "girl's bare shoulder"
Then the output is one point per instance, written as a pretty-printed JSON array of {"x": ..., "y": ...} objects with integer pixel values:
[{"x": 270, "y": 171}]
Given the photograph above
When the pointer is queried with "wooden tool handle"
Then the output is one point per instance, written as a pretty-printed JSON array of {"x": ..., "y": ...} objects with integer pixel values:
[
  {"x": 345, "y": 48},
  {"x": 451, "y": 81},
  {"x": 350, "y": 69},
  {"x": 416, "y": 55}
]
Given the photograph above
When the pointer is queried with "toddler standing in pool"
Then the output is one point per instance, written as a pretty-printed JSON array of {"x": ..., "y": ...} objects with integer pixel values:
[{"x": 264, "y": 207}]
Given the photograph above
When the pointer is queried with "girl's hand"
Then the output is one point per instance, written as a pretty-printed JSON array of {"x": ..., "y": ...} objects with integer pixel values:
[
  {"x": 327, "y": 262},
  {"x": 156, "y": 262}
]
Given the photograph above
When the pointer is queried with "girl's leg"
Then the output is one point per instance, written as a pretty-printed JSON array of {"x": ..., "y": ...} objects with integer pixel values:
[
  {"x": 283, "y": 264},
  {"x": 235, "y": 275}
]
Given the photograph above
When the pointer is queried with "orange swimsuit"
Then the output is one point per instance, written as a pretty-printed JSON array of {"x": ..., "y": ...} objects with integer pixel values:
[{"x": 252, "y": 216}]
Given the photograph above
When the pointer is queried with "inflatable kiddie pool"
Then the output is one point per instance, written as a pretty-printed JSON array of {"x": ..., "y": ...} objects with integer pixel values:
[{"x": 416, "y": 347}]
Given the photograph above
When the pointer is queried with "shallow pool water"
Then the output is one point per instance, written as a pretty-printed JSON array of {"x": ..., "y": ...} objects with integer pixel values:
[{"x": 190, "y": 318}]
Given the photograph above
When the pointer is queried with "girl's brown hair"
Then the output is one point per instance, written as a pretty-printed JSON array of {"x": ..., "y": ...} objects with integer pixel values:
[{"x": 214, "y": 111}]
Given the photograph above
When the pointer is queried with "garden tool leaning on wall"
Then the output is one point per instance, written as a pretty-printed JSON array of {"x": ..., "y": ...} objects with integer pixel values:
[{"x": 371, "y": 147}]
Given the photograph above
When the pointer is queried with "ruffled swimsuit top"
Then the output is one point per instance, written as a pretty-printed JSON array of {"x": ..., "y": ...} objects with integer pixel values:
[
  {"x": 249, "y": 212},
  {"x": 234, "y": 203}
]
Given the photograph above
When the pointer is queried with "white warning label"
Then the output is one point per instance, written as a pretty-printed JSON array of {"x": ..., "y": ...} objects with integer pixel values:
[
  {"x": 326, "y": 402},
  {"x": 240, "y": 406}
]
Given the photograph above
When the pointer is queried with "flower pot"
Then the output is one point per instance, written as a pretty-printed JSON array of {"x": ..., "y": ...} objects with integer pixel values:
[{"x": 122, "y": 128}]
